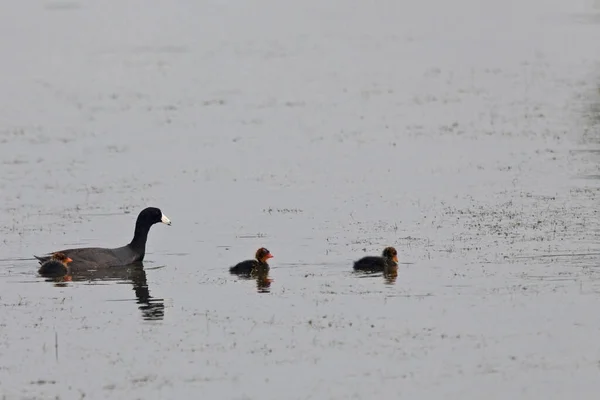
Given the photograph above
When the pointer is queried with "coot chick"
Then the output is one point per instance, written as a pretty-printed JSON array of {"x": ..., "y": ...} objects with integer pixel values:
[
  {"x": 387, "y": 261},
  {"x": 98, "y": 257},
  {"x": 55, "y": 266},
  {"x": 249, "y": 266}
]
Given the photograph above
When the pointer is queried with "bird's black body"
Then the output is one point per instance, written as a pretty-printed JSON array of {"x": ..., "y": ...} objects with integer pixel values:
[
  {"x": 373, "y": 263},
  {"x": 96, "y": 257},
  {"x": 246, "y": 267}
]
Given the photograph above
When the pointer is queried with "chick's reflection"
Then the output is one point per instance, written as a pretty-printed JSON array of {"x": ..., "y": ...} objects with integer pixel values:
[
  {"x": 263, "y": 282},
  {"x": 390, "y": 274}
]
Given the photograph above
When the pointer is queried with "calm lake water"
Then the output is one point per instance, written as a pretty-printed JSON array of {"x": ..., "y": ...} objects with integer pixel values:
[{"x": 466, "y": 134}]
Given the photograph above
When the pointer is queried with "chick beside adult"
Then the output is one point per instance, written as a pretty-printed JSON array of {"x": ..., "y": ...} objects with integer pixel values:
[{"x": 56, "y": 265}]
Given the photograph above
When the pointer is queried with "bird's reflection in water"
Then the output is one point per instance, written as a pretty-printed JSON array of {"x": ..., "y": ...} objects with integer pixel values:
[
  {"x": 151, "y": 308},
  {"x": 390, "y": 274},
  {"x": 263, "y": 282},
  {"x": 260, "y": 275}
]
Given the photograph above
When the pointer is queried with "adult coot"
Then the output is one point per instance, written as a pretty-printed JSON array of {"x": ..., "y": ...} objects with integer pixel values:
[
  {"x": 388, "y": 260},
  {"x": 249, "y": 266},
  {"x": 96, "y": 257},
  {"x": 55, "y": 266}
]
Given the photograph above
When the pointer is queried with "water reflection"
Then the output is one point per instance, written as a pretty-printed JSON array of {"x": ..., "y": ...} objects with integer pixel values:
[
  {"x": 593, "y": 111},
  {"x": 389, "y": 274},
  {"x": 263, "y": 282},
  {"x": 151, "y": 308},
  {"x": 260, "y": 275}
]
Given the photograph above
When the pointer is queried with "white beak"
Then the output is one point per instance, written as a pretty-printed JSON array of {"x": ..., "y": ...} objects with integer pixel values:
[{"x": 165, "y": 220}]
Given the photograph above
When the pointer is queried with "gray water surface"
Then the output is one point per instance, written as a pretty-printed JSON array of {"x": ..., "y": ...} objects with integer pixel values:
[{"x": 465, "y": 133}]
